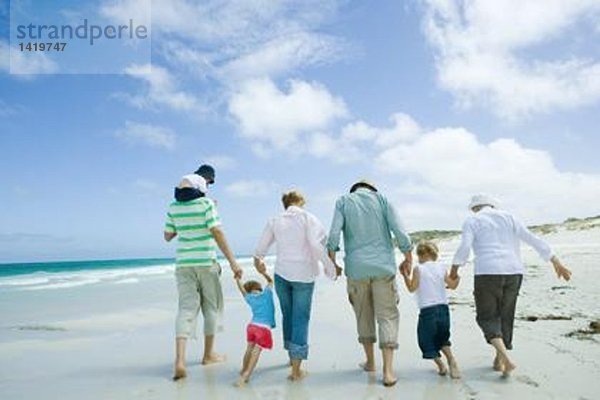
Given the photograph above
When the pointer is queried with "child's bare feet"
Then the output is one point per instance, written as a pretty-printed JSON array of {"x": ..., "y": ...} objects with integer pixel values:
[
  {"x": 498, "y": 364},
  {"x": 214, "y": 358},
  {"x": 369, "y": 367},
  {"x": 297, "y": 376},
  {"x": 241, "y": 382},
  {"x": 508, "y": 368},
  {"x": 454, "y": 371},
  {"x": 441, "y": 366},
  {"x": 180, "y": 372}
]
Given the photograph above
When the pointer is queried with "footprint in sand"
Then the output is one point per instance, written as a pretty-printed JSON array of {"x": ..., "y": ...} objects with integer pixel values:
[{"x": 527, "y": 380}]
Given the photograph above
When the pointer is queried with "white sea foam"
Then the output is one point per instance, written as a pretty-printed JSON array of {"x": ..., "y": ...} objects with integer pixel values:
[{"x": 71, "y": 279}]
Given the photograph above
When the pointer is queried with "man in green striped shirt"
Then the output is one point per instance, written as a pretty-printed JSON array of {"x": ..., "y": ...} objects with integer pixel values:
[{"x": 197, "y": 226}]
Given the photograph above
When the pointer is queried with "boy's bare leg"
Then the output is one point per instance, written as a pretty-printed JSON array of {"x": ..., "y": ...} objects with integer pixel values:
[
  {"x": 369, "y": 364},
  {"x": 498, "y": 364},
  {"x": 501, "y": 351},
  {"x": 452, "y": 364},
  {"x": 246, "y": 358},
  {"x": 180, "y": 372},
  {"x": 252, "y": 361},
  {"x": 297, "y": 372},
  {"x": 389, "y": 378},
  {"x": 210, "y": 357},
  {"x": 442, "y": 370}
]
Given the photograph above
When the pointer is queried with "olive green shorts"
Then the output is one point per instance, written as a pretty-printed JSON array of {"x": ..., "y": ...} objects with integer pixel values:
[{"x": 199, "y": 288}]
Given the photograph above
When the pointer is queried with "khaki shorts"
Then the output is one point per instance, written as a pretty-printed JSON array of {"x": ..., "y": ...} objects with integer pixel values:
[
  {"x": 199, "y": 288},
  {"x": 376, "y": 300}
]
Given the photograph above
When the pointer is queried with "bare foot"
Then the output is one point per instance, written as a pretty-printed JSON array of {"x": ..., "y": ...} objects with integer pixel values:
[
  {"x": 454, "y": 371},
  {"x": 369, "y": 367},
  {"x": 389, "y": 380},
  {"x": 241, "y": 382},
  {"x": 441, "y": 366},
  {"x": 298, "y": 376},
  {"x": 214, "y": 358},
  {"x": 180, "y": 372},
  {"x": 498, "y": 364},
  {"x": 508, "y": 368}
]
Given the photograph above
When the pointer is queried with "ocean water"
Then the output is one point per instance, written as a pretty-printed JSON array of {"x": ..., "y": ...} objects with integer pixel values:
[{"x": 64, "y": 275}]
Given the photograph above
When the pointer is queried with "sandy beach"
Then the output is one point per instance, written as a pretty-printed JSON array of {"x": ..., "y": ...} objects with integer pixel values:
[{"x": 114, "y": 340}]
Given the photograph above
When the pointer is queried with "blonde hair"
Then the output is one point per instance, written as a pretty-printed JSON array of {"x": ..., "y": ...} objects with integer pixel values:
[
  {"x": 428, "y": 249},
  {"x": 293, "y": 197}
]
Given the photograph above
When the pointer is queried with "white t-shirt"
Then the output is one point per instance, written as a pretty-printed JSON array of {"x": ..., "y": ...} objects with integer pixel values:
[{"x": 432, "y": 287}]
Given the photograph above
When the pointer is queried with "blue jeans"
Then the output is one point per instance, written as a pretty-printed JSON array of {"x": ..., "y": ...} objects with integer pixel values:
[
  {"x": 433, "y": 330},
  {"x": 295, "y": 301}
]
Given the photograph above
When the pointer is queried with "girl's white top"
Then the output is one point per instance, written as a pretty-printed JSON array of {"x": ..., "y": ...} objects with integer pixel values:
[
  {"x": 432, "y": 287},
  {"x": 300, "y": 239}
]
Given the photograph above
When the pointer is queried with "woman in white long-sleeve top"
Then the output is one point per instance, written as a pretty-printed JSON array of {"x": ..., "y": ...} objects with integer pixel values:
[
  {"x": 300, "y": 239},
  {"x": 495, "y": 237}
]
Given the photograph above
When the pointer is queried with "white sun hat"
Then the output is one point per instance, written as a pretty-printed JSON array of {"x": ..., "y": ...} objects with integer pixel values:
[
  {"x": 483, "y": 200},
  {"x": 194, "y": 181}
]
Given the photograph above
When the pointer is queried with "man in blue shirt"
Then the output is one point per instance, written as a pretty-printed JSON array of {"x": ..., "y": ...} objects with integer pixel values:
[{"x": 367, "y": 219}]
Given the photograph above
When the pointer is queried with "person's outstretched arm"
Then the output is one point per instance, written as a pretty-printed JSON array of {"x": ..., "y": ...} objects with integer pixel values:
[
  {"x": 411, "y": 283},
  {"x": 267, "y": 277},
  {"x": 266, "y": 240},
  {"x": 543, "y": 249},
  {"x": 404, "y": 241},
  {"x": 464, "y": 249},
  {"x": 221, "y": 241},
  {"x": 335, "y": 233},
  {"x": 238, "y": 281}
]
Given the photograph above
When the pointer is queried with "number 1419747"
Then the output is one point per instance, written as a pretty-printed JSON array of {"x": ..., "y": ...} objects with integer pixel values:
[{"x": 41, "y": 46}]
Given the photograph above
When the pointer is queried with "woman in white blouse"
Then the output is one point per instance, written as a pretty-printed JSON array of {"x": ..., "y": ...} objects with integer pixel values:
[
  {"x": 300, "y": 239},
  {"x": 495, "y": 237}
]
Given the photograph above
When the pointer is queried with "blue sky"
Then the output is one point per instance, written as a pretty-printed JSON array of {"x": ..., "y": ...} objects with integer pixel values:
[{"x": 433, "y": 100}]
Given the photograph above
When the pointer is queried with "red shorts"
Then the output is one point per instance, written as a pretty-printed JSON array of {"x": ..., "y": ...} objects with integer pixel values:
[{"x": 260, "y": 336}]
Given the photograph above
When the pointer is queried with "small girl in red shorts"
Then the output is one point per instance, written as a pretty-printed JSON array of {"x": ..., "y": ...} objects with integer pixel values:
[{"x": 258, "y": 332}]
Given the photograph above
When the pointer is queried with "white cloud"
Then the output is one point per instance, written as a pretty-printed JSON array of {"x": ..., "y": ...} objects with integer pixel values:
[
  {"x": 442, "y": 168},
  {"x": 161, "y": 90},
  {"x": 358, "y": 139},
  {"x": 25, "y": 66},
  {"x": 251, "y": 188},
  {"x": 222, "y": 162},
  {"x": 283, "y": 54},
  {"x": 148, "y": 135},
  {"x": 483, "y": 54},
  {"x": 278, "y": 119}
]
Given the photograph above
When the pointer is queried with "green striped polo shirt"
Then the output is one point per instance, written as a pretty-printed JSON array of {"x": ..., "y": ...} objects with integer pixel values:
[{"x": 192, "y": 221}]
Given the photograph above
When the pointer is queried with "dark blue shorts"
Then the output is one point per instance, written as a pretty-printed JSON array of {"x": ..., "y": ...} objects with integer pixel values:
[{"x": 433, "y": 330}]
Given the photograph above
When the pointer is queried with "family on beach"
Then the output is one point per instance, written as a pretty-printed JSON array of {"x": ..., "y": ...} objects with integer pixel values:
[{"x": 371, "y": 229}]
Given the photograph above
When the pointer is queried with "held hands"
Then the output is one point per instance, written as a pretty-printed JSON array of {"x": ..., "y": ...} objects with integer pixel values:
[
  {"x": 260, "y": 265},
  {"x": 405, "y": 267},
  {"x": 237, "y": 271}
]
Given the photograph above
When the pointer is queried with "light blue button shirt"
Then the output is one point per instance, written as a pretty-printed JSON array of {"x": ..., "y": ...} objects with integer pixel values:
[{"x": 367, "y": 220}]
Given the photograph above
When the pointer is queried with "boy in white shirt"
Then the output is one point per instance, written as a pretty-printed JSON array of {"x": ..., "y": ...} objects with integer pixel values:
[{"x": 429, "y": 281}]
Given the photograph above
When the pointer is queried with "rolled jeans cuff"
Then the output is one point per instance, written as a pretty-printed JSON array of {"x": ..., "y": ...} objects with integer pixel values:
[{"x": 298, "y": 352}]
